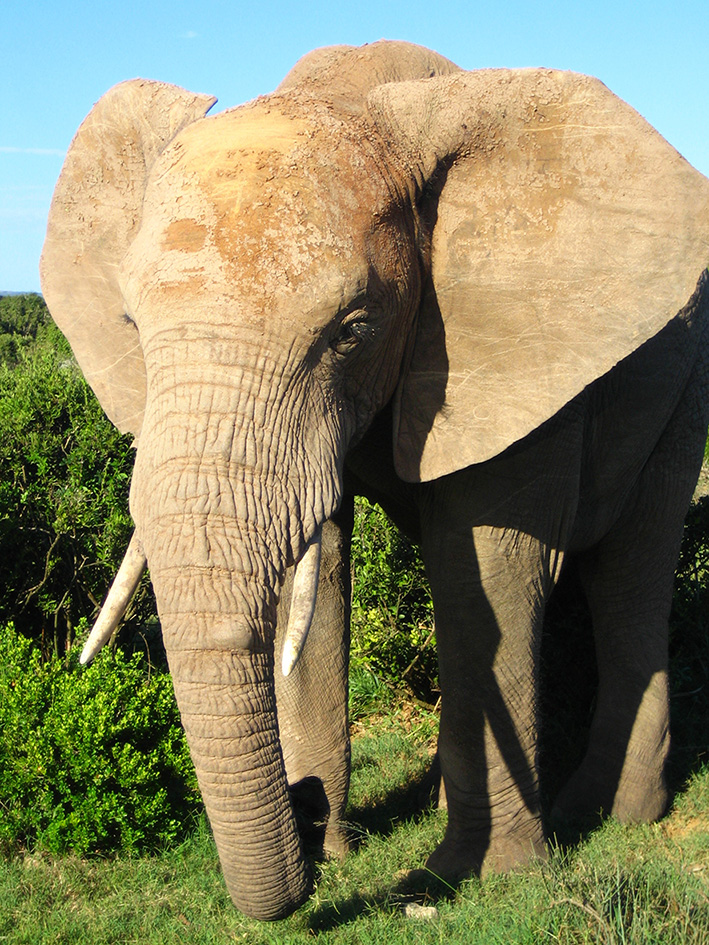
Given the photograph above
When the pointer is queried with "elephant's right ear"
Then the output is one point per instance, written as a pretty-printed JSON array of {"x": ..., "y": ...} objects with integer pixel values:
[
  {"x": 565, "y": 232},
  {"x": 95, "y": 213}
]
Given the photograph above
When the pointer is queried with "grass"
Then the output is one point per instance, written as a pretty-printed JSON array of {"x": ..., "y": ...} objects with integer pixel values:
[{"x": 623, "y": 884}]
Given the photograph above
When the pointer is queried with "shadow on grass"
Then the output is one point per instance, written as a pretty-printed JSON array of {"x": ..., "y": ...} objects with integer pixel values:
[
  {"x": 419, "y": 887},
  {"x": 402, "y": 804}
]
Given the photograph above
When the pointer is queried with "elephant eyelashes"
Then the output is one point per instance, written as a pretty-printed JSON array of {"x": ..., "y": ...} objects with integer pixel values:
[{"x": 354, "y": 329}]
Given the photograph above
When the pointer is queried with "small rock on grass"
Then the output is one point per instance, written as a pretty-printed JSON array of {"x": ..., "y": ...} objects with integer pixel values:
[{"x": 412, "y": 910}]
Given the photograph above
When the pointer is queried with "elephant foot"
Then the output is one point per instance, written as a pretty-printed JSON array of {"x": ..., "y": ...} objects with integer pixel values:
[
  {"x": 323, "y": 835},
  {"x": 452, "y": 861},
  {"x": 312, "y": 814},
  {"x": 587, "y": 799},
  {"x": 336, "y": 845}
]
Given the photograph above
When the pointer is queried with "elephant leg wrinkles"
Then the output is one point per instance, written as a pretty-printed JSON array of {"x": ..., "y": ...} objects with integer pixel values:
[
  {"x": 312, "y": 700},
  {"x": 628, "y": 578},
  {"x": 493, "y": 545}
]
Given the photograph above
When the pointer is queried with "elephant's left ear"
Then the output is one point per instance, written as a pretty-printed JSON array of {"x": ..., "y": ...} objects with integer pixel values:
[{"x": 565, "y": 233}]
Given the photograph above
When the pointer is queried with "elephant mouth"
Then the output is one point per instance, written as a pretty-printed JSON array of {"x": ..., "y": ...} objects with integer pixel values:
[{"x": 302, "y": 608}]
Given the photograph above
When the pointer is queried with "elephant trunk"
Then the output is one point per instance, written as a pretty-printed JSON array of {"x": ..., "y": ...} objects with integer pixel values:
[
  {"x": 222, "y": 506},
  {"x": 223, "y": 679},
  {"x": 227, "y": 703}
]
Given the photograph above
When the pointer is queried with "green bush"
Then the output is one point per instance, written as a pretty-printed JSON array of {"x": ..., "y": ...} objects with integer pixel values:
[
  {"x": 64, "y": 478},
  {"x": 24, "y": 321},
  {"x": 392, "y": 612},
  {"x": 92, "y": 759},
  {"x": 689, "y": 647}
]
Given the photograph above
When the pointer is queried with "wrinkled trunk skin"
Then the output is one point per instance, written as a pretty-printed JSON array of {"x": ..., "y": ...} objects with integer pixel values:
[
  {"x": 227, "y": 703},
  {"x": 218, "y": 528},
  {"x": 226, "y": 699}
]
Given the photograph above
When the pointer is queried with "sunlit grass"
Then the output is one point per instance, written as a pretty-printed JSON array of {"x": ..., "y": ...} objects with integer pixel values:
[{"x": 632, "y": 884}]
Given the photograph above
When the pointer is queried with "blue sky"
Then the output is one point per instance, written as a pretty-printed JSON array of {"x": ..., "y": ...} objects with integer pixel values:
[{"x": 59, "y": 56}]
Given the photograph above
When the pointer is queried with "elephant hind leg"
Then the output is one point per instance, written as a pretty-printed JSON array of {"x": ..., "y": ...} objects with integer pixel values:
[
  {"x": 622, "y": 772},
  {"x": 628, "y": 578}
]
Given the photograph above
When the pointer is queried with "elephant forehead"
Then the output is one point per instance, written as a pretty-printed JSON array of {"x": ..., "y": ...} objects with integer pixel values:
[
  {"x": 256, "y": 208},
  {"x": 257, "y": 168},
  {"x": 223, "y": 153}
]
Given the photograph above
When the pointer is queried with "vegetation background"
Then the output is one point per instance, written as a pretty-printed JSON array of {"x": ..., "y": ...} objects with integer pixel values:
[{"x": 102, "y": 834}]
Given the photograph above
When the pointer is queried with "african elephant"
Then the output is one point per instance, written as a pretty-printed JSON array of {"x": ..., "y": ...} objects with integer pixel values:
[{"x": 478, "y": 298}]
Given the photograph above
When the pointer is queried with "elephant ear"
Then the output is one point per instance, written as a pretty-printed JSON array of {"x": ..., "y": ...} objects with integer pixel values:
[
  {"x": 95, "y": 213},
  {"x": 565, "y": 233}
]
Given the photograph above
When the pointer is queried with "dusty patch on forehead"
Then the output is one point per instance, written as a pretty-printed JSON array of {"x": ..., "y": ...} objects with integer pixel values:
[
  {"x": 237, "y": 142},
  {"x": 185, "y": 236},
  {"x": 248, "y": 196}
]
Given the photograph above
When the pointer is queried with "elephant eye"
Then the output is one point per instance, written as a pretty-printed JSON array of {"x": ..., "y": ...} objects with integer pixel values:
[{"x": 353, "y": 329}]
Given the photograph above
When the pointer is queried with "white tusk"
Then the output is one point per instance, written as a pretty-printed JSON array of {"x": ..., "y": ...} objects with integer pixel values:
[
  {"x": 302, "y": 606},
  {"x": 117, "y": 600}
]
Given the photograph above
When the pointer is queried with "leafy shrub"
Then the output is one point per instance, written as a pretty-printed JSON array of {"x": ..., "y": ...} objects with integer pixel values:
[
  {"x": 64, "y": 478},
  {"x": 689, "y": 647},
  {"x": 92, "y": 759},
  {"x": 392, "y": 612},
  {"x": 692, "y": 579},
  {"x": 23, "y": 321}
]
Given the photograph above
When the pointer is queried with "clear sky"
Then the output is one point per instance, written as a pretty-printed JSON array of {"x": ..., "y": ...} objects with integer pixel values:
[{"x": 60, "y": 56}]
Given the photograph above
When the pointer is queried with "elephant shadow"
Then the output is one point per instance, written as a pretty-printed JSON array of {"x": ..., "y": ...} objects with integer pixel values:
[
  {"x": 569, "y": 682},
  {"x": 569, "y": 678}
]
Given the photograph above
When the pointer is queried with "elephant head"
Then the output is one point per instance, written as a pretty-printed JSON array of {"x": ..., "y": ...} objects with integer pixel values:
[{"x": 246, "y": 292}]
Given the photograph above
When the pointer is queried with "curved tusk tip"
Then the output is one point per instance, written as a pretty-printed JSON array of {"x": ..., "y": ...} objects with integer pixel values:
[
  {"x": 289, "y": 658},
  {"x": 87, "y": 654}
]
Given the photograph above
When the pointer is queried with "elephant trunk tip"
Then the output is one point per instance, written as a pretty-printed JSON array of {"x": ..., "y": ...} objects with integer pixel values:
[{"x": 271, "y": 902}]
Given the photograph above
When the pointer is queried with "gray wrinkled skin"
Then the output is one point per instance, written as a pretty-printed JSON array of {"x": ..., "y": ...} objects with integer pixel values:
[{"x": 477, "y": 297}]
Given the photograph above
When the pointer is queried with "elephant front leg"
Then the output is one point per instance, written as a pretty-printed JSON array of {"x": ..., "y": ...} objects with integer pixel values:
[
  {"x": 312, "y": 700},
  {"x": 489, "y": 588}
]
